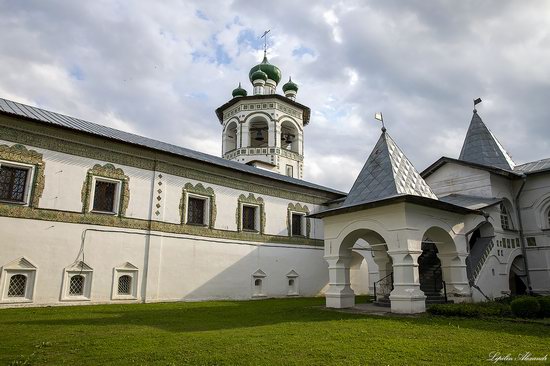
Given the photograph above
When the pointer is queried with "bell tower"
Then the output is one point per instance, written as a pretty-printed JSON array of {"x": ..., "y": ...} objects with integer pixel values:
[{"x": 265, "y": 129}]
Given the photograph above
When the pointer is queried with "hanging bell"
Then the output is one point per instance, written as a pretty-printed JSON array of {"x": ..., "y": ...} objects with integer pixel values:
[
  {"x": 259, "y": 136},
  {"x": 289, "y": 139}
]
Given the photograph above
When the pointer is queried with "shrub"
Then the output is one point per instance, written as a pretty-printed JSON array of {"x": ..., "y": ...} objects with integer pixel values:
[
  {"x": 471, "y": 310},
  {"x": 544, "y": 303},
  {"x": 525, "y": 307}
]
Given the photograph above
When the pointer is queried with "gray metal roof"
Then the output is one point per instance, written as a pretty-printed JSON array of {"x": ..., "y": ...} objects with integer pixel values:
[
  {"x": 41, "y": 115},
  {"x": 471, "y": 202},
  {"x": 534, "y": 166},
  {"x": 387, "y": 173},
  {"x": 481, "y": 146}
]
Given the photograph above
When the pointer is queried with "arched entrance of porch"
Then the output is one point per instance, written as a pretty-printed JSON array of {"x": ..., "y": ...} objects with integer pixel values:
[
  {"x": 442, "y": 267},
  {"x": 340, "y": 257}
]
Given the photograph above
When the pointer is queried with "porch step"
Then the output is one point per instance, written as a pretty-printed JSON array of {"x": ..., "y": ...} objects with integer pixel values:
[{"x": 383, "y": 301}]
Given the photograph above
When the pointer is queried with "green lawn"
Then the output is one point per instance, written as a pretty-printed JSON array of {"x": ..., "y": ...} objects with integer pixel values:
[{"x": 289, "y": 331}]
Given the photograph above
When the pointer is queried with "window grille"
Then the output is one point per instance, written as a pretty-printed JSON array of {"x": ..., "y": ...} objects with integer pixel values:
[
  {"x": 12, "y": 183},
  {"x": 125, "y": 285},
  {"x": 104, "y": 196},
  {"x": 258, "y": 282},
  {"x": 504, "y": 217},
  {"x": 531, "y": 241},
  {"x": 76, "y": 286},
  {"x": 249, "y": 218},
  {"x": 195, "y": 211},
  {"x": 18, "y": 285},
  {"x": 296, "y": 224}
]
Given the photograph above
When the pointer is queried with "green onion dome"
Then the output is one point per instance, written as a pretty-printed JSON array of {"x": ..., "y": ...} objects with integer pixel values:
[
  {"x": 272, "y": 71},
  {"x": 258, "y": 74},
  {"x": 290, "y": 85},
  {"x": 239, "y": 92}
]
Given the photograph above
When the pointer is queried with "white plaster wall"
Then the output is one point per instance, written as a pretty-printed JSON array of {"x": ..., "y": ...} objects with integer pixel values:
[
  {"x": 456, "y": 178},
  {"x": 187, "y": 268},
  {"x": 65, "y": 175}
]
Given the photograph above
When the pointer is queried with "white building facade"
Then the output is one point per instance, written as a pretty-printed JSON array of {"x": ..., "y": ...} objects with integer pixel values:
[{"x": 90, "y": 215}]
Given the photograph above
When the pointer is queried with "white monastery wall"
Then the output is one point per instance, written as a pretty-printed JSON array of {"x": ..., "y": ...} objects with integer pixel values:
[{"x": 456, "y": 178}]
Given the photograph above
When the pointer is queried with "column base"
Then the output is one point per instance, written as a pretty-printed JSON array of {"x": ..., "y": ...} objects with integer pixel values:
[
  {"x": 340, "y": 301},
  {"x": 407, "y": 304}
]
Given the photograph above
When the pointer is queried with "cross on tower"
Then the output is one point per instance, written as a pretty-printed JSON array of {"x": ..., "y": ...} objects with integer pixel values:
[{"x": 264, "y": 36}]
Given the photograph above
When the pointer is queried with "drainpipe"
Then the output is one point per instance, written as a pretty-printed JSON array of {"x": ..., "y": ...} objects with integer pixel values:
[{"x": 521, "y": 236}]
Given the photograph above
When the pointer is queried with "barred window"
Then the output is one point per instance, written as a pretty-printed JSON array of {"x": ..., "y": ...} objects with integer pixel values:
[
  {"x": 249, "y": 218},
  {"x": 504, "y": 217},
  {"x": 18, "y": 285},
  {"x": 76, "y": 286},
  {"x": 104, "y": 196},
  {"x": 125, "y": 285},
  {"x": 195, "y": 211},
  {"x": 13, "y": 181},
  {"x": 297, "y": 224}
]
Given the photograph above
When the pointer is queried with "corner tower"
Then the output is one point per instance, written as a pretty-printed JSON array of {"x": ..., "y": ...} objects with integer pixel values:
[{"x": 265, "y": 129}]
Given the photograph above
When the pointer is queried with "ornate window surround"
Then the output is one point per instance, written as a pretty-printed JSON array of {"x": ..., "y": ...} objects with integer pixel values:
[
  {"x": 19, "y": 156},
  {"x": 251, "y": 200},
  {"x": 199, "y": 191},
  {"x": 297, "y": 208},
  {"x": 126, "y": 269},
  {"x": 82, "y": 269},
  {"x": 106, "y": 173},
  {"x": 20, "y": 266}
]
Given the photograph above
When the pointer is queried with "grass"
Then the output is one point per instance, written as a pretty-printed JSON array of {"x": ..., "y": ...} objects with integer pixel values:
[{"x": 285, "y": 331}]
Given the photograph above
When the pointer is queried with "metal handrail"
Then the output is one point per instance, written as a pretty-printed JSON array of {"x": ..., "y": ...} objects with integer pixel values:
[{"x": 380, "y": 280}]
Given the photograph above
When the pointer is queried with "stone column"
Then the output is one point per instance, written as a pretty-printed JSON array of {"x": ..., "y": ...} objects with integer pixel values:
[
  {"x": 455, "y": 276},
  {"x": 339, "y": 294},
  {"x": 245, "y": 141},
  {"x": 406, "y": 297}
]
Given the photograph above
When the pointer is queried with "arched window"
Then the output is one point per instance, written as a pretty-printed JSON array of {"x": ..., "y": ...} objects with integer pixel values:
[
  {"x": 258, "y": 282},
  {"x": 18, "y": 285},
  {"x": 76, "y": 286},
  {"x": 504, "y": 217},
  {"x": 125, "y": 285}
]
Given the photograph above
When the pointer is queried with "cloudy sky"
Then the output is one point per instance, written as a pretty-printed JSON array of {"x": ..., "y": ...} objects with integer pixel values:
[{"x": 160, "y": 68}]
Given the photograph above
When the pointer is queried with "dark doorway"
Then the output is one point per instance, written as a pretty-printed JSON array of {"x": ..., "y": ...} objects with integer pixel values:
[{"x": 429, "y": 271}]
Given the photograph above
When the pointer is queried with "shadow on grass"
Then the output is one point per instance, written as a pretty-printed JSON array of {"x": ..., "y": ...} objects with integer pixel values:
[{"x": 220, "y": 315}]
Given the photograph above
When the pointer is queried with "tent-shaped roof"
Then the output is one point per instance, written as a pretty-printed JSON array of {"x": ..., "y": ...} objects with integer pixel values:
[
  {"x": 387, "y": 173},
  {"x": 481, "y": 146}
]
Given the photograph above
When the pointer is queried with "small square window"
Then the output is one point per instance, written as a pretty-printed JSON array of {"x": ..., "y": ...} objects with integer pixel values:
[
  {"x": 76, "y": 285},
  {"x": 125, "y": 285},
  {"x": 105, "y": 196},
  {"x": 18, "y": 286},
  {"x": 297, "y": 225},
  {"x": 196, "y": 211},
  {"x": 13, "y": 183},
  {"x": 249, "y": 218},
  {"x": 531, "y": 241}
]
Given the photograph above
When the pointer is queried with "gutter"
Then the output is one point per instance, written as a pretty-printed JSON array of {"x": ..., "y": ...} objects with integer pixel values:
[{"x": 521, "y": 236}]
